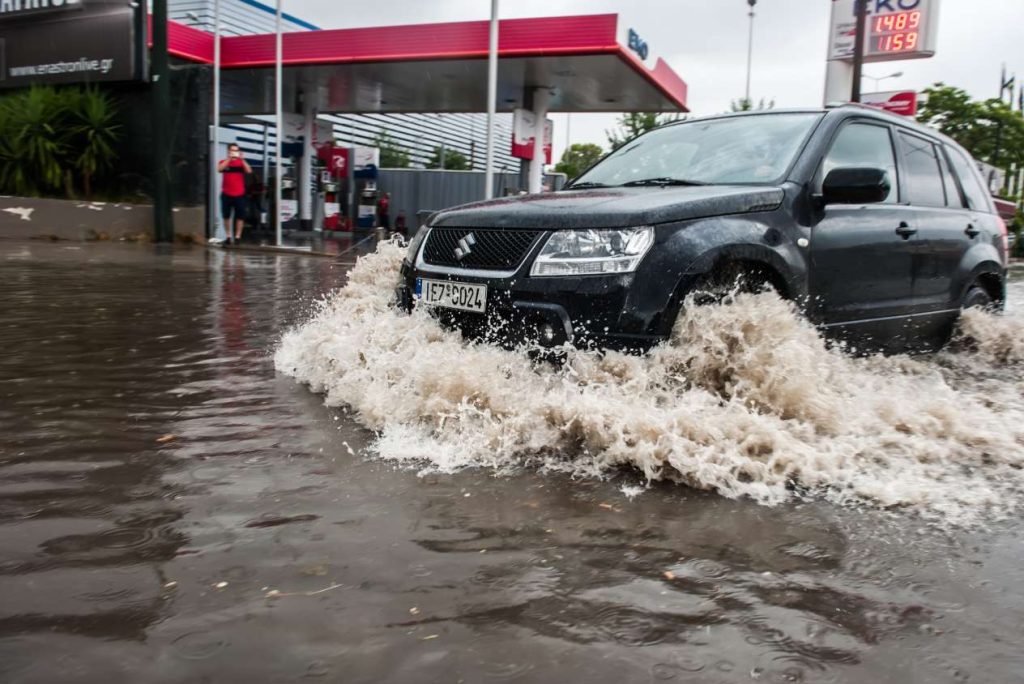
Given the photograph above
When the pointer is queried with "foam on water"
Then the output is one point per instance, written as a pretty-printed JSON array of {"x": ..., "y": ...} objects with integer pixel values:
[{"x": 746, "y": 400}]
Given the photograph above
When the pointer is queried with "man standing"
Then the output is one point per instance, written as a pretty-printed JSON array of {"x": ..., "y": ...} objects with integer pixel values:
[
  {"x": 232, "y": 192},
  {"x": 383, "y": 209}
]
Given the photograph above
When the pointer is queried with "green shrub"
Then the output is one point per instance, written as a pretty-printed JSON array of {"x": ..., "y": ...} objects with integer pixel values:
[{"x": 49, "y": 134}]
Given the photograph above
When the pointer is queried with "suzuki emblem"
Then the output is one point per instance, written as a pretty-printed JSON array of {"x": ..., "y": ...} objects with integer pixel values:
[{"x": 465, "y": 246}]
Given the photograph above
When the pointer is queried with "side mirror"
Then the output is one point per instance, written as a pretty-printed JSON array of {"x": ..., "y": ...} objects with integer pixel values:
[{"x": 852, "y": 185}]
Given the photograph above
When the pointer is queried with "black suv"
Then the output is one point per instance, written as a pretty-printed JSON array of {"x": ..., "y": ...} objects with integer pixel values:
[{"x": 880, "y": 229}]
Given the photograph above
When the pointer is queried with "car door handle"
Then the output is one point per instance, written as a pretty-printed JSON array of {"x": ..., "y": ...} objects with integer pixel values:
[
  {"x": 971, "y": 231},
  {"x": 905, "y": 231}
]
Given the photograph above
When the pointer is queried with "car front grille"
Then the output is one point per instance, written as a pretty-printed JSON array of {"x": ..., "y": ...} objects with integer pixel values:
[{"x": 489, "y": 249}]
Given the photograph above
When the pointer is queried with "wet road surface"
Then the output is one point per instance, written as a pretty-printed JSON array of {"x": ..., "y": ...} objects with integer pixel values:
[{"x": 171, "y": 510}]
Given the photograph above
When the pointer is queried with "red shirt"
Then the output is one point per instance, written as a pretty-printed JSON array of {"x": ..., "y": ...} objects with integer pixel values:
[{"x": 234, "y": 178}]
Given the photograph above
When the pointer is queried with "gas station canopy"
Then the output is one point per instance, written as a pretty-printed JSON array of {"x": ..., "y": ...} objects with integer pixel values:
[{"x": 581, "y": 60}]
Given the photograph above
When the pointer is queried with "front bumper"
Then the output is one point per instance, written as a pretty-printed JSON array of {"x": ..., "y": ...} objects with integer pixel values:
[{"x": 588, "y": 312}]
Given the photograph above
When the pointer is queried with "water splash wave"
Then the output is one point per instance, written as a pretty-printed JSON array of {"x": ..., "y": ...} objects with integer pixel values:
[{"x": 746, "y": 399}]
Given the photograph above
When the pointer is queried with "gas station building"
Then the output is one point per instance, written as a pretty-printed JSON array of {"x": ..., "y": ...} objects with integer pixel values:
[{"x": 551, "y": 64}]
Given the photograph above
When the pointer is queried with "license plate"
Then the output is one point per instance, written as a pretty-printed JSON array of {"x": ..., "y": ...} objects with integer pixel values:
[{"x": 452, "y": 295}]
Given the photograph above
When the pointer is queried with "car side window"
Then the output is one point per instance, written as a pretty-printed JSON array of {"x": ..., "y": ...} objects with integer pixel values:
[
  {"x": 923, "y": 175},
  {"x": 964, "y": 169},
  {"x": 863, "y": 145}
]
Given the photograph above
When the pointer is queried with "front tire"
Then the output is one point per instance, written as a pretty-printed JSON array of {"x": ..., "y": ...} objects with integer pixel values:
[
  {"x": 724, "y": 283},
  {"x": 976, "y": 297}
]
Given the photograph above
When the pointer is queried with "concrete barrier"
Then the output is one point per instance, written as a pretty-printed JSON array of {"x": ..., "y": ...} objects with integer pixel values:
[{"x": 55, "y": 219}]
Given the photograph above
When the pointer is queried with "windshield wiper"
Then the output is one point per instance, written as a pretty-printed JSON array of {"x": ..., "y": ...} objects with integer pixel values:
[
  {"x": 585, "y": 185},
  {"x": 662, "y": 181}
]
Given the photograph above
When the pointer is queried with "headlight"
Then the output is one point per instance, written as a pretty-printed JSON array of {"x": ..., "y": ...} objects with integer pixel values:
[
  {"x": 593, "y": 252},
  {"x": 414, "y": 244}
]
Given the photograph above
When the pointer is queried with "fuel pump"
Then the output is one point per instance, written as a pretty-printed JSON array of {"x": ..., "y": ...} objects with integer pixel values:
[
  {"x": 331, "y": 206},
  {"x": 333, "y": 178},
  {"x": 367, "y": 217},
  {"x": 365, "y": 163}
]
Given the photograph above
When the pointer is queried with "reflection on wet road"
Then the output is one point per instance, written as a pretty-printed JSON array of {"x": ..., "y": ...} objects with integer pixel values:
[{"x": 172, "y": 510}]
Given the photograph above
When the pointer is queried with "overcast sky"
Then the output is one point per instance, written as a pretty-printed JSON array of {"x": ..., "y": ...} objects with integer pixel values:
[{"x": 705, "y": 41}]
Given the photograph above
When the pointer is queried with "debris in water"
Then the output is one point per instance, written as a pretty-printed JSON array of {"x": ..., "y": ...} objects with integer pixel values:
[
  {"x": 275, "y": 593},
  {"x": 632, "y": 491},
  {"x": 24, "y": 213},
  {"x": 220, "y": 585},
  {"x": 165, "y": 438},
  {"x": 274, "y": 521}
]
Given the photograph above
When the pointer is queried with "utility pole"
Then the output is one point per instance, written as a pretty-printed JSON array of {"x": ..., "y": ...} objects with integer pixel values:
[
  {"x": 1003, "y": 84},
  {"x": 163, "y": 218},
  {"x": 750, "y": 49},
  {"x": 858, "y": 48}
]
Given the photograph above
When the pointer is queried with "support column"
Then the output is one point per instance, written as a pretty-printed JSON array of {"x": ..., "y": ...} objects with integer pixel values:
[
  {"x": 541, "y": 96},
  {"x": 838, "y": 81},
  {"x": 306, "y": 164}
]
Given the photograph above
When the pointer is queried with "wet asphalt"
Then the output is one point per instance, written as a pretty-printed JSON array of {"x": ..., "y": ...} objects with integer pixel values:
[{"x": 173, "y": 510}]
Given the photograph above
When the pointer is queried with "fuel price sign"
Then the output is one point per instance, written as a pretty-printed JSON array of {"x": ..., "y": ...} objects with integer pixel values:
[
  {"x": 895, "y": 33},
  {"x": 896, "y": 29}
]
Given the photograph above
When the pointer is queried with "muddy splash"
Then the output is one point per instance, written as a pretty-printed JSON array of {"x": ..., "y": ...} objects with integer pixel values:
[{"x": 746, "y": 399}]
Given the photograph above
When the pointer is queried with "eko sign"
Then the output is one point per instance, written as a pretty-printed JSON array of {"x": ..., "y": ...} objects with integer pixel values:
[{"x": 896, "y": 29}]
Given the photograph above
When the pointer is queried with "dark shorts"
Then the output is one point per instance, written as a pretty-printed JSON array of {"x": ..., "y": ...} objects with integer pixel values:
[{"x": 240, "y": 205}]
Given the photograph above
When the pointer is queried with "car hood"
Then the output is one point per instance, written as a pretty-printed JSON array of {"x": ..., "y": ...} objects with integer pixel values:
[{"x": 611, "y": 207}]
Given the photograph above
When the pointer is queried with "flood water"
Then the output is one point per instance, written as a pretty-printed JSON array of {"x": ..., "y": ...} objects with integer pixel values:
[{"x": 173, "y": 508}]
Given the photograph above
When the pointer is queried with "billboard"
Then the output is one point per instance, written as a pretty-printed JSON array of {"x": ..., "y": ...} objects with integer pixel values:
[
  {"x": 71, "y": 41},
  {"x": 896, "y": 29}
]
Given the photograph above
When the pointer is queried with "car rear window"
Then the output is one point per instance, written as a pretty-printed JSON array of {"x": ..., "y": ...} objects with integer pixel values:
[
  {"x": 977, "y": 198},
  {"x": 954, "y": 198}
]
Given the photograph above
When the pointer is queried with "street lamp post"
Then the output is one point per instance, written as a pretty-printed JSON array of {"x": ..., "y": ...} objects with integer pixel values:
[
  {"x": 215, "y": 138},
  {"x": 492, "y": 96},
  {"x": 215, "y": 222},
  {"x": 750, "y": 47},
  {"x": 279, "y": 117},
  {"x": 879, "y": 79}
]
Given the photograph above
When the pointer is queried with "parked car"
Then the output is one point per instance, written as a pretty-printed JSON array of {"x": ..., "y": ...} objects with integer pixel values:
[{"x": 879, "y": 229}]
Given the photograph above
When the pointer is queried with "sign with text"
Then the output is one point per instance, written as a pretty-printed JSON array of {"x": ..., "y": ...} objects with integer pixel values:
[
  {"x": 896, "y": 29},
  {"x": 903, "y": 102},
  {"x": 71, "y": 41}
]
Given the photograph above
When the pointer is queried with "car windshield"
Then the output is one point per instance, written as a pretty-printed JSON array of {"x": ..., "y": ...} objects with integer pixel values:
[{"x": 744, "y": 149}]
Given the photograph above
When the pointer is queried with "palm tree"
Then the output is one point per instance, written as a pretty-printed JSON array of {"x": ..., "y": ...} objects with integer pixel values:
[
  {"x": 94, "y": 134},
  {"x": 33, "y": 140}
]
